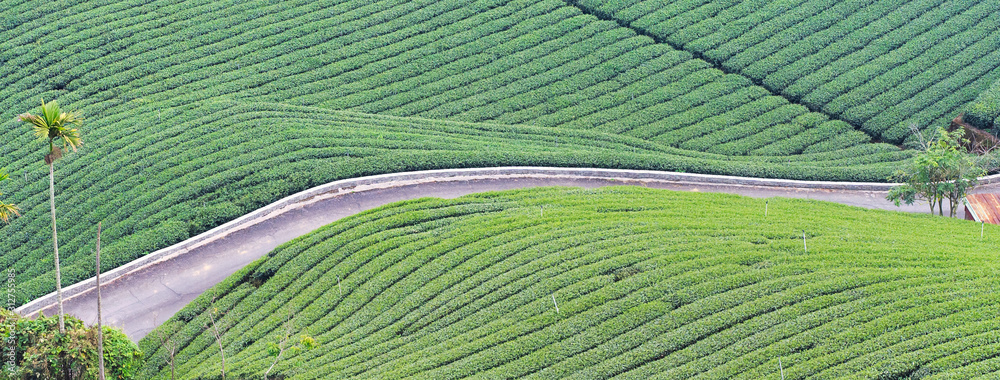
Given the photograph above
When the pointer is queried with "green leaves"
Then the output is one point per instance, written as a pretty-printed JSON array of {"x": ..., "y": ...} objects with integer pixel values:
[
  {"x": 214, "y": 161},
  {"x": 984, "y": 112},
  {"x": 943, "y": 170},
  {"x": 649, "y": 283},
  {"x": 7, "y": 210},
  {"x": 53, "y": 125},
  {"x": 879, "y": 65},
  {"x": 40, "y": 351}
]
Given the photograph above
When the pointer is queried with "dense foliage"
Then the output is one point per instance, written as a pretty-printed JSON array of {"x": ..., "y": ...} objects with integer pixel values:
[
  {"x": 153, "y": 188},
  {"x": 41, "y": 352},
  {"x": 619, "y": 281},
  {"x": 984, "y": 112},
  {"x": 509, "y": 62},
  {"x": 881, "y": 65},
  {"x": 8, "y": 211},
  {"x": 198, "y": 111},
  {"x": 943, "y": 170}
]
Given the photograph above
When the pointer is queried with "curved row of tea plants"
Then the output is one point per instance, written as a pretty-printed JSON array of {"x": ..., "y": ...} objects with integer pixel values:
[
  {"x": 984, "y": 112},
  {"x": 619, "y": 281},
  {"x": 504, "y": 61},
  {"x": 156, "y": 177},
  {"x": 881, "y": 65},
  {"x": 179, "y": 135}
]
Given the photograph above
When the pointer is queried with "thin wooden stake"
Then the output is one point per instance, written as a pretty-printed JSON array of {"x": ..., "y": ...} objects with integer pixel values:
[
  {"x": 554, "y": 303},
  {"x": 765, "y": 209},
  {"x": 100, "y": 332},
  {"x": 218, "y": 337},
  {"x": 782, "y": 369}
]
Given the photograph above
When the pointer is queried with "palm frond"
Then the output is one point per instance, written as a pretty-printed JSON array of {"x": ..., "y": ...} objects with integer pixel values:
[
  {"x": 37, "y": 122},
  {"x": 52, "y": 124},
  {"x": 50, "y": 111},
  {"x": 70, "y": 137},
  {"x": 8, "y": 212}
]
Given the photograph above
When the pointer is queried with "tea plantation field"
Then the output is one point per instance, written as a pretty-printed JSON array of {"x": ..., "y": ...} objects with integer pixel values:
[
  {"x": 198, "y": 111},
  {"x": 153, "y": 187},
  {"x": 881, "y": 65},
  {"x": 627, "y": 282},
  {"x": 541, "y": 63}
]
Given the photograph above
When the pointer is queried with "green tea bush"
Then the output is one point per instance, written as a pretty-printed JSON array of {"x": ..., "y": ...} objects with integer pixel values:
[
  {"x": 152, "y": 190},
  {"x": 881, "y": 66},
  {"x": 596, "y": 283},
  {"x": 198, "y": 112},
  {"x": 984, "y": 112}
]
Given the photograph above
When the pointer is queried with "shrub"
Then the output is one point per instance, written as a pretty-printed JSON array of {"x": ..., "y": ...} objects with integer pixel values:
[
  {"x": 985, "y": 110},
  {"x": 648, "y": 283},
  {"x": 42, "y": 353}
]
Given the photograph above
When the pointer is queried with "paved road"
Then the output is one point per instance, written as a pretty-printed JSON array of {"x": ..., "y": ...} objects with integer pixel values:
[{"x": 142, "y": 296}]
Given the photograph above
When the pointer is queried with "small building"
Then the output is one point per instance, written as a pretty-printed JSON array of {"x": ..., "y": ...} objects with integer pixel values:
[{"x": 983, "y": 208}]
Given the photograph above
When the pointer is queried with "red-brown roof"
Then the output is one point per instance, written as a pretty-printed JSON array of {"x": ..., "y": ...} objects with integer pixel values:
[{"x": 985, "y": 206}]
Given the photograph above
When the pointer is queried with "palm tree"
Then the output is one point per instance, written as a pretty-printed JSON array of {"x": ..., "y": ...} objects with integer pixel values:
[
  {"x": 7, "y": 210},
  {"x": 53, "y": 125}
]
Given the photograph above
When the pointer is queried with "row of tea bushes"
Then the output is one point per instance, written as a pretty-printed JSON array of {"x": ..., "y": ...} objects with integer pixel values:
[
  {"x": 881, "y": 66},
  {"x": 984, "y": 112},
  {"x": 508, "y": 62},
  {"x": 598, "y": 283},
  {"x": 184, "y": 129},
  {"x": 158, "y": 176}
]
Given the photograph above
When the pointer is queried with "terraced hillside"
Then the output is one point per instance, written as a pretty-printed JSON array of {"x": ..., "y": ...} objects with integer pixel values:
[
  {"x": 198, "y": 111},
  {"x": 625, "y": 281},
  {"x": 155, "y": 186},
  {"x": 881, "y": 65},
  {"x": 510, "y": 62}
]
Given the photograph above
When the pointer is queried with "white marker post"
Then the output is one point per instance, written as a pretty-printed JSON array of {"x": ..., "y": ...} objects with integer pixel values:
[
  {"x": 765, "y": 208},
  {"x": 554, "y": 303},
  {"x": 804, "y": 247},
  {"x": 782, "y": 369}
]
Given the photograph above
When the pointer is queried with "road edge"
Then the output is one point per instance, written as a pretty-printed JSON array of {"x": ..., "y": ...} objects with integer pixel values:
[{"x": 384, "y": 181}]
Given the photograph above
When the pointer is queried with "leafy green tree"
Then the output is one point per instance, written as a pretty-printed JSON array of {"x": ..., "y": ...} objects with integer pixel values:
[
  {"x": 41, "y": 352},
  {"x": 7, "y": 210},
  {"x": 53, "y": 124},
  {"x": 942, "y": 170}
]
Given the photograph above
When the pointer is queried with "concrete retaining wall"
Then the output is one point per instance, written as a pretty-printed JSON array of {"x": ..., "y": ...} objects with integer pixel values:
[{"x": 310, "y": 196}]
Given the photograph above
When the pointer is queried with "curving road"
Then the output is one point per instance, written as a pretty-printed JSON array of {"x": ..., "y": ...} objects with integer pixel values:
[{"x": 144, "y": 293}]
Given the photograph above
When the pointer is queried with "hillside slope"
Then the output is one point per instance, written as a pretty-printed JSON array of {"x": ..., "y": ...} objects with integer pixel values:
[
  {"x": 626, "y": 282},
  {"x": 153, "y": 187},
  {"x": 508, "y": 62},
  {"x": 881, "y": 65},
  {"x": 198, "y": 111}
]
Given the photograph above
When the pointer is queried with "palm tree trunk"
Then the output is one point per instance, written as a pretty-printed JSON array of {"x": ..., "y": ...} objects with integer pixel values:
[
  {"x": 55, "y": 246},
  {"x": 100, "y": 331}
]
